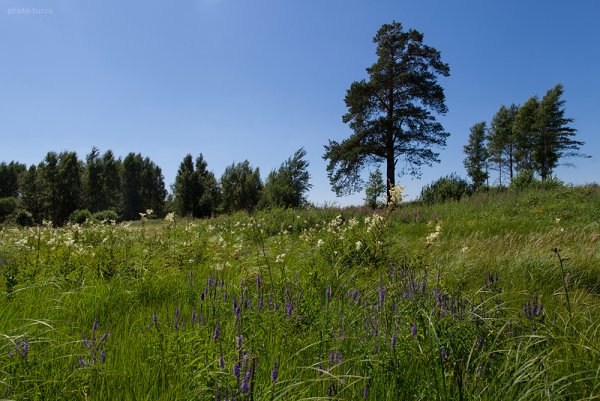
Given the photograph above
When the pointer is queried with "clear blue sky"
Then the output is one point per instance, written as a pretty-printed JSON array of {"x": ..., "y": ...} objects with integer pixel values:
[{"x": 259, "y": 79}]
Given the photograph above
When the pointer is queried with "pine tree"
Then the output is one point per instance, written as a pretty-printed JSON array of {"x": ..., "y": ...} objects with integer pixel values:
[{"x": 392, "y": 113}]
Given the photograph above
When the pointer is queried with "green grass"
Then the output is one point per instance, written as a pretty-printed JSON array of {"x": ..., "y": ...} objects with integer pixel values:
[{"x": 471, "y": 333}]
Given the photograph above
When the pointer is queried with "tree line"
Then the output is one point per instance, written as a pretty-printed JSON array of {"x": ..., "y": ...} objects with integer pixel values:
[
  {"x": 62, "y": 186},
  {"x": 531, "y": 138}
]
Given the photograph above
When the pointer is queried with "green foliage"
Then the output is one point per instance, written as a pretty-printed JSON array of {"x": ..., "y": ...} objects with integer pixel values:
[
  {"x": 287, "y": 186},
  {"x": 241, "y": 187},
  {"x": 450, "y": 187},
  {"x": 391, "y": 113},
  {"x": 105, "y": 216},
  {"x": 9, "y": 179},
  {"x": 7, "y": 207},
  {"x": 524, "y": 133},
  {"x": 80, "y": 216},
  {"x": 501, "y": 141},
  {"x": 24, "y": 218},
  {"x": 374, "y": 189},
  {"x": 476, "y": 156},
  {"x": 143, "y": 187},
  {"x": 554, "y": 137},
  {"x": 524, "y": 179},
  {"x": 196, "y": 189}
]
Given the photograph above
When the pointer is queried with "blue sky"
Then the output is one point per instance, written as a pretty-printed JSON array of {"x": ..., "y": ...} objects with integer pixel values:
[{"x": 258, "y": 79}]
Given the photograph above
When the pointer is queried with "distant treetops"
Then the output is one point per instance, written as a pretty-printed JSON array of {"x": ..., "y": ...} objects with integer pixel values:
[
  {"x": 61, "y": 186},
  {"x": 530, "y": 138}
]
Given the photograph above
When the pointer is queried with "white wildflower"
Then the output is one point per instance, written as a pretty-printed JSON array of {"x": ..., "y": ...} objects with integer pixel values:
[
  {"x": 320, "y": 243},
  {"x": 280, "y": 258},
  {"x": 358, "y": 245},
  {"x": 395, "y": 195}
]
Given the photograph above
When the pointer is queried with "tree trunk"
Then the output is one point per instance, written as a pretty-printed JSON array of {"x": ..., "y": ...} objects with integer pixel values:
[{"x": 390, "y": 170}]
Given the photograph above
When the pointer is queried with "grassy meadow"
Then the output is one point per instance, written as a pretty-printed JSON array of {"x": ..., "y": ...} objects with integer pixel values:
[{"x": 495, "y": 297}]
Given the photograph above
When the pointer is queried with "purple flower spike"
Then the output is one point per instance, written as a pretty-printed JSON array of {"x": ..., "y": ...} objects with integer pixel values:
[
  {"x": 221, "y": 362},
  {"x": 443, "y": 353},
  {"x": 328, "y": 294},
  {"x": 274, "y": 373},
  {"x": 245, "y": 385},
  {"x": 155, "y": 318},
  {"x": 216, "y": 333},
  {"x": 236, "y": 370},
  {"x": 95, "y": 325},
  {"x": 81, "y": 362},
  {"x": 289, "y": 308},
  {"x": 394, "y": 340},
  {"x": 104, "y": 337},
  {"x": 413, "y": 330},
  {"x": 240, "y": 340},
  {"x": 258, "y": 282},
  {"x": 103, "y": 356}
]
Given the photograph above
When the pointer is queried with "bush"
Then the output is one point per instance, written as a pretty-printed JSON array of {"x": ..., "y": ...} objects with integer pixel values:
[
  {"x": 450, "y": 187},
  {"x": 522, "y": 180},
  {"x": 105, "y": 215},
  {"x": 7, "y": 207},
  {"x": 24, "y": 218},
  {"x": 548, "y": 184},
  {"x": 80, "y": 216}
]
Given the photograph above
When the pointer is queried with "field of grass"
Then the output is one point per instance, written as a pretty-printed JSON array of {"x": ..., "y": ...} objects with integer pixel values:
[{"x": 496, "y": 297}]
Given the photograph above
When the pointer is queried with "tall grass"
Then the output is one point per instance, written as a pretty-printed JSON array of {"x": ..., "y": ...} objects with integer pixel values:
[{"x": 313, "y": 304}]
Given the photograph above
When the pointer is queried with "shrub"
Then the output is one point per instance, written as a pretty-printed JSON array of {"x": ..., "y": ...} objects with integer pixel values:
[
  {"x": 522, "y": 180},
  {"x": 7, "y": 207},
  {"x": 24, "y": 218},
  {"x": 105, "y": 215},
  {"x": 450, "y": 187},
  {"x": 80, "y": 216}
]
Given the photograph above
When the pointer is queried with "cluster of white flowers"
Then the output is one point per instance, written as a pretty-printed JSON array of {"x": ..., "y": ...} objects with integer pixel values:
[
  {"x": 170, "y": 219},
  {"x": 373, "y": 221},
  {"x": 280, "y": 258},
  {"x": 434, "y": 235},
  {"x": 320, "y": 243},
  {"x": 358, "y": 245},
  {"x": 395, "y": 195}
]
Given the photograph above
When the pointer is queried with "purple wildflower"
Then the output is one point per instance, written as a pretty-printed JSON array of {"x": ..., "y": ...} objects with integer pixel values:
[
  {"x": 103, "y": 356},
  {"x": 221, "y": 362},
  {"x": 289, "y": 308},
  {"x": 328, "y": 294},
  {"x": 245, "y": 385},
  {"x": 104, "y": 336},
  {"x": 236, "y": 370},
  {"x": 240, "y": 340},
  {"x": 394, "y": 340},
  {"x": 258, "y": 282},
  {"x": 155, "y": 318},
  {"x": 413, "y": 330},
  {"x": 82, "y": 362},
  {"x": 95, "y": 327},
  {"x": 216, "y": 333},
  {"x": 443, "y": 353},
  {"x": 365, "y": 392},
  {"x": 274, "y": 373}
]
